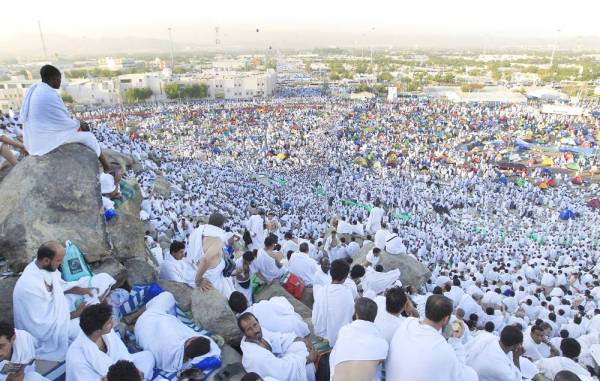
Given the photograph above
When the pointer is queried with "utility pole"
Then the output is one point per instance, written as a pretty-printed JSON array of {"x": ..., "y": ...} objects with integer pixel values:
[
  {"x": 43, "y": 42},
  {"x": 171, "y": 41}
]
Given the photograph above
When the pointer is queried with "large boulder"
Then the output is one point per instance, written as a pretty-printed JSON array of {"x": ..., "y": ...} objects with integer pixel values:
[
  {"x": 7, "y": 285},
  {"x": 275, "y": 289},
  {"x": 161, "y": 187},
  {"x": 211, "y": 312},
  {"x": 125, "y": 161},
  {"x": 412, "y": 272},
  {"x": 52, "y": 197},
  {"x": 113, "y": 268},
  {"x": 181, "y": 291},
  {"x": 126, "y": 231},
  {"x": 140, "y": 270}
]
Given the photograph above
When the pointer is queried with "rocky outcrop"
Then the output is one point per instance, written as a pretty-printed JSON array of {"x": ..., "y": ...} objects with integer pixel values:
[
  {"x": 140, "y": 271},
  {"x": 7, "y": 285},
  {"x": 211, "y": 312},
  {"x": 52, "y": 197},
  {"x": 125, "y": 161},
  {"x": 113, "y": 268},
  {"x": 412, "y": 272},
  {"x": 161, "y": 187},
  {"x": 181, "y": 291},
  {"x": 126, "y": 231}
]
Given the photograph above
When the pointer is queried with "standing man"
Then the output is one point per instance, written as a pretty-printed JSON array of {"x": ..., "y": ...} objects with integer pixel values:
[
  {"x": 257, "y": 229},
  {"x": 375, "y": 217}
]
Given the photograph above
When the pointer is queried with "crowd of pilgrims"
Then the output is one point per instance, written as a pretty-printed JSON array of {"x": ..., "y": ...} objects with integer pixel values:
[{"x": 302, "y": 185}]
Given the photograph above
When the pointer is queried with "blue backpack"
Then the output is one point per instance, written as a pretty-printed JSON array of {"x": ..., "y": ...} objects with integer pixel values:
[{"x": 74, "y": 266}]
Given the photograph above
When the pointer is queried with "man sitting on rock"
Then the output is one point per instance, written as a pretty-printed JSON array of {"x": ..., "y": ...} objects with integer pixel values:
[
  {"x": 47, "y": 307},
  {"x": 275, "y": 314},
  {"x": 283, "y": 356},
  {"x": 98, "y": 347},
  {"x": 47, "y": 122},
  {"x": 174, "y": 345},
  {"x": 17, "y": 350},
  {"x": 174, "y": 267}
]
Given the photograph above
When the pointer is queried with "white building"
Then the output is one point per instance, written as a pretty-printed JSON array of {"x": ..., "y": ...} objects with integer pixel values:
[
  {"x": 12, "y": 93},
  {"x": 92, "y": 92},
  {"x": 154, "y": 81},
  {"x": 241, "y": 85},
  {"x": 115, "y": 64}
]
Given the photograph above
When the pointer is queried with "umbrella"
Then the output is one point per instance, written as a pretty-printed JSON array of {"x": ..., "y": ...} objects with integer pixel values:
[
  {"x": 573, "y": 166},
  {"x": 594, "y": 203}
]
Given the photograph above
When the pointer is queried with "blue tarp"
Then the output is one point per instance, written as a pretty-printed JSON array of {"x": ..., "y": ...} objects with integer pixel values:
[{"x": 566, "y": 214}]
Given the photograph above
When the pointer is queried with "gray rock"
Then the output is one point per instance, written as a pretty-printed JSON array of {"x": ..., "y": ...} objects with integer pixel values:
[
  {"x": 140, "y": 271},
  {"x": 7, "y": 285},
  {"x": 228, "y": 356},
  {"x": 161, "y": 187},
  {"x": 126, "y": 161},
  {"x": 113, "y": 268},
  {"x": 126, "y": 231},
  {"x": 52, "y": 197},
  {"x": 211, "y": 312},
  {"x": 412, "y": 272},
  {"x": 181, "y": 291}
]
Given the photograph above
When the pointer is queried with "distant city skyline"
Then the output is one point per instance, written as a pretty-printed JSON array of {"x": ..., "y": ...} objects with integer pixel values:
[{"x": 122, "y": 26}]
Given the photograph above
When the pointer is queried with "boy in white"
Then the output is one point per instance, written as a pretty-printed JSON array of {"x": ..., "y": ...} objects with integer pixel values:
[{"x": 18, "y": 348}]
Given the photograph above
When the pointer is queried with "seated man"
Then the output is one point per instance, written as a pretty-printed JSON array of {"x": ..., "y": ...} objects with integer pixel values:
[
  {"x": 570, "y": 349},
  {"x": 98, "y": 347},
  {"x": 48, "y": 124},
  {"x": 124, "y": 370},
  {"x": 174, "y": 267},
  {"x": 275, "y": 314},
  {"x": 303, "y": 265},
  {"x": 17, "y": 350},
  {"x": 360, "y": 348},
  {"x": 283, "y": 356},
  {"x": 44, "y": 304},
  {"x": 174, "y": 345},
  {"x": 497, "y": 359}
]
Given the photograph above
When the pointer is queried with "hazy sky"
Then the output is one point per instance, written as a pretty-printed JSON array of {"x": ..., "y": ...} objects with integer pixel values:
[{"x": 135, "y": 17}]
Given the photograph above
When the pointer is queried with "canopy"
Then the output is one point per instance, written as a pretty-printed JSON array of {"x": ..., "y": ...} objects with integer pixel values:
[
  {"x": 566, "y": 214},
  {"x": 573, "y": 166}
]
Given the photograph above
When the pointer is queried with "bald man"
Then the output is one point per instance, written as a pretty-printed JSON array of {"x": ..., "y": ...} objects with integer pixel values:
[{"x": 48, "y": 307}]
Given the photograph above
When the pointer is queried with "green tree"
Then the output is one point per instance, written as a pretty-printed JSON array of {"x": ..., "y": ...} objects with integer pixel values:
[
  {"x": 137, "y": 94},
  {"x": 66, "y": 98},
  {"x": 195, "y": 91},
  {"x": 385, "y": 76},
  {"x": 172, "y": 90}
]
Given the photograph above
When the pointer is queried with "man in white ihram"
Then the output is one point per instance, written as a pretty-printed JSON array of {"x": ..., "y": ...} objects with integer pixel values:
[
  {"x": 375, "y": 217},
  {"x": 419, "y": 352},
  {"x": 48, "y": 124},
  {"x": 360, "y": 348},
  {"x": 280, "y": 355},
  {"x": 42, "y": 306}
]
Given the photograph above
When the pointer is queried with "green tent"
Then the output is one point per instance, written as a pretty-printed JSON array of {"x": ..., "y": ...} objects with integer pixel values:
[
  {"x": 402, "y": 216},
  {"x": 520, "y": 183},
  {"x": 573, "y": 166}
]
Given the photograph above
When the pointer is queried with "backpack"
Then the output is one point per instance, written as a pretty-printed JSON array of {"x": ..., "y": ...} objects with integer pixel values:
[{"x": 74, "y": 266}]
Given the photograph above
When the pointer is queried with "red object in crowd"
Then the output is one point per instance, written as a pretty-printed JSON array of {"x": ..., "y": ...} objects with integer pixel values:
[
  {"x": 294, "y": 285},
  {"x": 577, "y": 180}
]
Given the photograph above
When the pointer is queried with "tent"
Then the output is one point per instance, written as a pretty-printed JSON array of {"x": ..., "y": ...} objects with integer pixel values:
[
  {"x": 573, "y": 166},
  {"x": 594, "y": 203},
  {"x": 520, "y": 183},
  {"x": 566, "y": 214}
]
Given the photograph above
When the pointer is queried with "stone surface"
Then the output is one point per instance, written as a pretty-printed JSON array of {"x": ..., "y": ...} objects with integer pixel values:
[
  {"x": 7, "y": 286},
  {"x": 161, "y": 187},
  {"x": 126, "y": 161},
  {"x": 412, "y": 272},
  {"x": 140, "y": 271},
  {"x": 211, "y": 312},
  {"x": 113, "y": 268},
  {"x": 126, "y": 231},
  {"x": 228, "y": 356},
  {"x": 181, "y": 291},
  {"x": 52, "y": 197}
]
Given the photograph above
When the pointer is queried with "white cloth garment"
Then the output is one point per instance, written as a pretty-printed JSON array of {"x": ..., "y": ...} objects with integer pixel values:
[
  {"x": 195, "y": 250},
  {"x": 23, "y": 352},
  {"x": 385, "y": 321},
  {"x": 257, "y": 231},
  {"x": 552, "y": 365},
  {"x": 303, "y": 266},
  {"x": 86, "y": 362},
  {"x": 358, "y": 341},
  {"x": 418, "y": 352},
  {"x": 374, "y": 220},
  {"x": 278, "y": 315},
  {"x": 333, "y": 308},
  {"x": 41, "y": 308},
  {"x": 287, "y": 361},
  {"x": 176, "y": 270},
  {"x": 159, "y": 331},
  {"x": 489, "y": 360},
  {"x": 48, "y": 124},
  {"x": 267, "y": 266},
  {"x": 378, "y": 282},
  {"x": 221, "y": 283}
]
